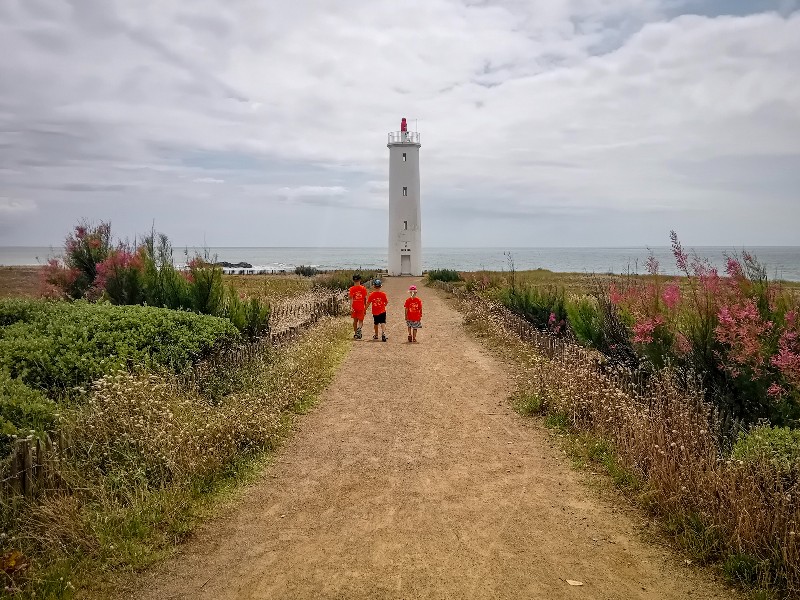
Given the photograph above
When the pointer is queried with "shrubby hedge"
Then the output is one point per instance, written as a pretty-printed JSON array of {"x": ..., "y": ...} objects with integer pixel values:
[
  {"x": 59, "y": 346},
  {"x": 22, "y": 410}
]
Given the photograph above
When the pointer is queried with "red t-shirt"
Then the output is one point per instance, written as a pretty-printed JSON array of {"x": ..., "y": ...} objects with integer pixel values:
[
  {"x": 413, "y": 309},
  {"x": 379, "y": 302},
  {"x": 358, "y": 294}
]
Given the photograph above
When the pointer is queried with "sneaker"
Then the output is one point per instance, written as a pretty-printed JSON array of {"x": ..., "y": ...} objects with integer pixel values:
[
  {"x": 375, "y": 337},
  {"x": 409, "y": 338},
  {"x": 383, "y": 338}
]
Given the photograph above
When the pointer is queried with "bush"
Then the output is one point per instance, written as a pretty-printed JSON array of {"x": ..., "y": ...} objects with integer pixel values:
[
  {"x": 342, "y": 280},
  {"x": 146, "y": 274},
  {"x": 22, "y": 410},
  {"x": 59, "y": 346},
  {"x": 585, "y": 319},
  {"x": 446, "y": 275},
  {"x": 778, "y": 446},
  {"x": 306, "y": 271},
  {"x": 545, "y": 307}
]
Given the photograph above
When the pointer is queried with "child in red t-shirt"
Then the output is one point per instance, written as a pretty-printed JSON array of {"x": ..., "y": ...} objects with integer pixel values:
[
  {"x": 413, "y": 313},
  {"x": 378, "y": 300},
  {"x": 358, "y": 297}
]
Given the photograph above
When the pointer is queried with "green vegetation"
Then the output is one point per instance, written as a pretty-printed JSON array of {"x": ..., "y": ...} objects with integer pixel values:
[
  {"x": 306, "y": 271},
  {"x": 446, "y": 275},
  {"x": 60, "y": 348},
  {"x": 660, "y": 444},
  {"x": 779, "y": 447},
  {"x": 342, "y": 280},
  {"x": 151, "y": 456},
  {"x": 94, "y": 268},
  {"x": 22, "y": 410}
]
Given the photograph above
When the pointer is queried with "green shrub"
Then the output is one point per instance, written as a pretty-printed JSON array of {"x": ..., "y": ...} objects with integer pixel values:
[
  {"x": 585, "y": 319},
  {"x": 529, "y": 403},
  {"x": 446, "y": 275},
  {"x": 779, "y": 446},
  {"x": 545, "y": 307},
  {"x": 22, "y": 410},
  {"x": 342, "y": 280},
  {"x": 306, "y": 271},
  {"x": 59, "y": 346}
]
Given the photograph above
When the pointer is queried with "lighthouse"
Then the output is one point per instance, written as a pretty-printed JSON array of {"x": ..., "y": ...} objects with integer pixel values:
[{"x": 405, "y": 218}]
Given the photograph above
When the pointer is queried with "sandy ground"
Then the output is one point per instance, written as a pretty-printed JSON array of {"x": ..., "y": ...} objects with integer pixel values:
[{"x": 414, "y": 479}]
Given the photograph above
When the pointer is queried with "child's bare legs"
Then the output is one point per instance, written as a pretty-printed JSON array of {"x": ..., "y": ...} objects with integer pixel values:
[
  {"x": 414, "y": 335},
  {"x": 355, "y": 325},
  {"x": 409, "y": 334},
  {"x": 376, "y": 331}
]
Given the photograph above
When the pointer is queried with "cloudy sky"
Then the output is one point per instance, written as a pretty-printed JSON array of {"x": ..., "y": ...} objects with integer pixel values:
[{"x": 543, "y": 122}]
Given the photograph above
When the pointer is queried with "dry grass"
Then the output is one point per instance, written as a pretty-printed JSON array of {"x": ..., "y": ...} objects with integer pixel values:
[
  {"x": 150, "y": 455},
  {"x": 661, "y": 446},
  {"x": 271, "y": 288},
  {"x": 20, "y": 282}
]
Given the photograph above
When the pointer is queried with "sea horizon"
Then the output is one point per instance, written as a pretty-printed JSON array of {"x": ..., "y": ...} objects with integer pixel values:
[{"x": 781, "y": 262}]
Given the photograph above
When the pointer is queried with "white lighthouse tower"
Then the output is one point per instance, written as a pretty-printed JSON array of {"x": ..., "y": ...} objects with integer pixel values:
[{"x": 405, "y": 218}]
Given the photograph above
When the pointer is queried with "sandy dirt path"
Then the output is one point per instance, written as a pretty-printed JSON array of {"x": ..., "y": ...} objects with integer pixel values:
[{"x": 414, "y": 479}]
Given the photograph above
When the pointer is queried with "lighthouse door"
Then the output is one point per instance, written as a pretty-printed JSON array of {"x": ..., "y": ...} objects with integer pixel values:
[{"x": 405, "y": 264}]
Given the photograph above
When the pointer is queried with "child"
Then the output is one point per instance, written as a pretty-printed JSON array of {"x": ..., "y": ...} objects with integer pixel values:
[
  {"x": 378, "y": 300},
  {"x": 413, "y": 313},
  {"x": 358, "y": 295}
]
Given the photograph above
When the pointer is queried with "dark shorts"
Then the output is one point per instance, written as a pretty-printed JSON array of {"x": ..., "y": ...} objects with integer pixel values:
[{"x": 381, "y": 318}]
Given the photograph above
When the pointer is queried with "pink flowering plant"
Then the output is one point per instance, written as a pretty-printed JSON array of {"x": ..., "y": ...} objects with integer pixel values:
[
  {"x": 144, "y": 273},
  {"x": 74, "y": 274},
  {"x": 737, "y": 330}
]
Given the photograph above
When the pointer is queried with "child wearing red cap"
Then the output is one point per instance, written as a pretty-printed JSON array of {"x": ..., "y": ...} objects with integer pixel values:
[{"x": 413, "y": 313}]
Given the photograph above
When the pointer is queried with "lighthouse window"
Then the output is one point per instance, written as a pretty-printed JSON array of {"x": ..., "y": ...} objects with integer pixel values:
[
  {"x": 405, "y": 191},
  {"x": 404, "y": 157},
  {"x": 405, "y": 225}
]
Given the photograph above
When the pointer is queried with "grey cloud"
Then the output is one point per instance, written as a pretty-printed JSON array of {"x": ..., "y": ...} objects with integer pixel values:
[{"x": 571, "y": 110}]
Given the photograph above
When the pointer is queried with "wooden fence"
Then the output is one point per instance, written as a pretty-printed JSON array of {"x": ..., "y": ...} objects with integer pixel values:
[{"x": 35, "y": 465}]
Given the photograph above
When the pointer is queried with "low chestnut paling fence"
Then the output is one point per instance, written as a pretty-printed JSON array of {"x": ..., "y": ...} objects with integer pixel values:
[{"x": 35, "y": 463}]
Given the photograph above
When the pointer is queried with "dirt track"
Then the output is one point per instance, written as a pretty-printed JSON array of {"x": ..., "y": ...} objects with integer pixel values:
[{"x": 414, "y": 479}]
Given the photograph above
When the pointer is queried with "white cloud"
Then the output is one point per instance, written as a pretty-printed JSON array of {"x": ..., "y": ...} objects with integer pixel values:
[
  {"x": 12, "y": 207},
  {"x": 584, "y": 114}
]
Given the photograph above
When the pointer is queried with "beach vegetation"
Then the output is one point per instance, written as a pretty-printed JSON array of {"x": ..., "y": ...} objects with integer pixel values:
[
  {"x": 94, "y": 267},
  {"x": 725, "y": 495},
  {"x": 446, "y": 275}
]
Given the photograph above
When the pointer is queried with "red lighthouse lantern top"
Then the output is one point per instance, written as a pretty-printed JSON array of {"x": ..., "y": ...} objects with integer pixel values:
[{"x": 403, "y": 124}]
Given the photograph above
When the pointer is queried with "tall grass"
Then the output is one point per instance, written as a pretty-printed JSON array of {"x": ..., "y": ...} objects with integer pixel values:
[
  {"x": 663, "y": 444},
  {"x": 148, "y": 451}
]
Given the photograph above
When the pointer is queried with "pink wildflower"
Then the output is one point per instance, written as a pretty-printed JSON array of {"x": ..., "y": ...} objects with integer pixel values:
[
  {"x": 614, "y": 295},
  {"x": 775, "y": 391},
  {"x": 734, "y": 268},
  {"x": 671, "y": 296},
  {"x": 643, "y": 330},
  {"x": 681, "y": 259},
  {"x": 552, "y": 318}
]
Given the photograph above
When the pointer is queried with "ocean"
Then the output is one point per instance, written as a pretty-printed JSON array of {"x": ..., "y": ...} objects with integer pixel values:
[{"x": 782, "y": 262}]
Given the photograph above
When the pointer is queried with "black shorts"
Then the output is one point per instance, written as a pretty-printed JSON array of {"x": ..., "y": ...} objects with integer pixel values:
[{"x": 378, "y": 319}]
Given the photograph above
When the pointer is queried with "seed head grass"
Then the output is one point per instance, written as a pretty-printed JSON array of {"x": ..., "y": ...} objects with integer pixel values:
[
  {"x": 153, "y": 456},
  {"x": 661, "y": 446}
]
